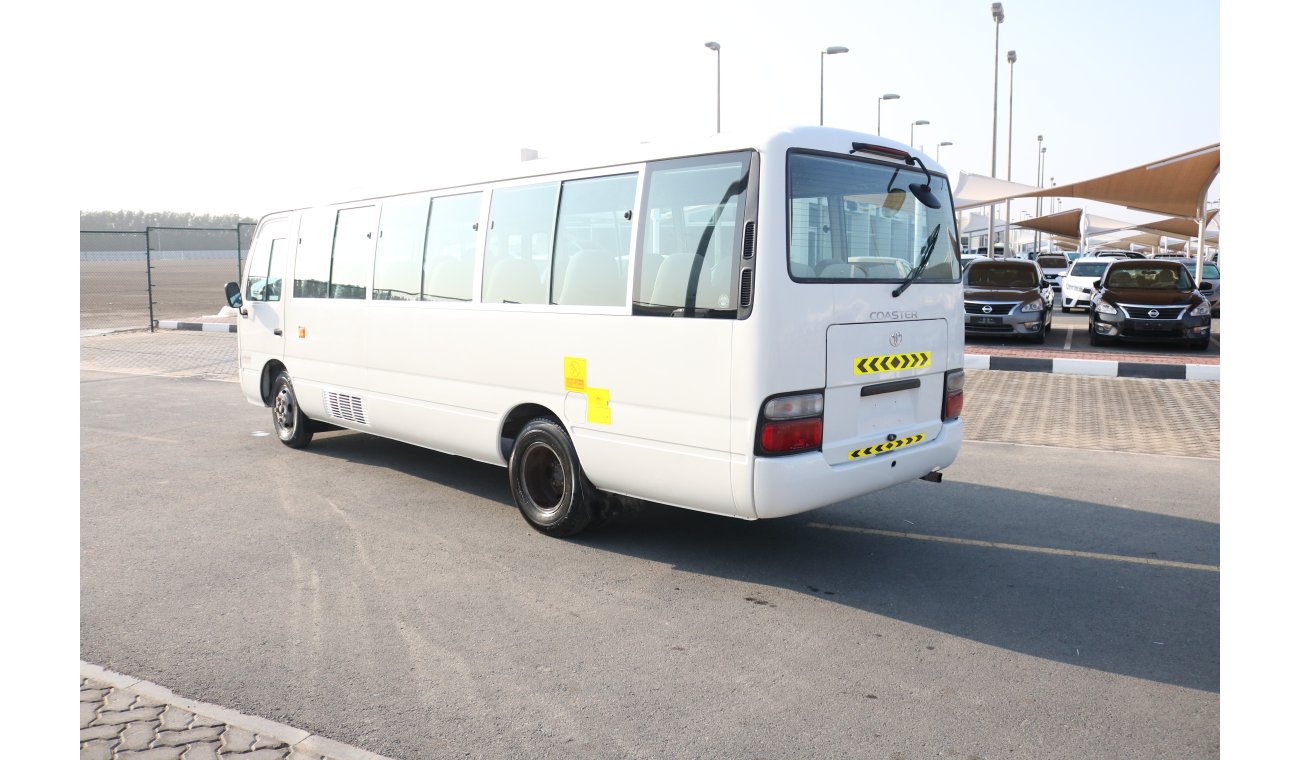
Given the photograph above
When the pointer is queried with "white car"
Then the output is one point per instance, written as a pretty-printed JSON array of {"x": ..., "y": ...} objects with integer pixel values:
[
  {"x": 1078, "y": 282},
  {"x": 1054, "y": 266}
]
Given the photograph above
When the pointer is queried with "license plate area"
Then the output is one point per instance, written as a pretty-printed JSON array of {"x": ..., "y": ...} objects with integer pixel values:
[
  {"x": 1154, "y": 325},
  {"x": 986, "y": 320}
]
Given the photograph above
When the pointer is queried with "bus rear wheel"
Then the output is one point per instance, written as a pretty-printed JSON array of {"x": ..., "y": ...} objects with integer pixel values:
[
  {"x": 291, "y": 425},
  {"x": 547, "y": 482}
]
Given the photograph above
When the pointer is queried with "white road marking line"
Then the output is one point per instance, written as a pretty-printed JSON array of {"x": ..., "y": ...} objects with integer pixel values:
[
  {"x": 1069, "y": 337},
  {"x": 1018, "y": 547}
]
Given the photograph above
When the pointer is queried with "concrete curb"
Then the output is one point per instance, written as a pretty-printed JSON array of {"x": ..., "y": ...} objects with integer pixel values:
[
  {"x": 166, "y": 324},
  {"x": 296, "y": 738},
  {"x": 1094, "y": 367}
]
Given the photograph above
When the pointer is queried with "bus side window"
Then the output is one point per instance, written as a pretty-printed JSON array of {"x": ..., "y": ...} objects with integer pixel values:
[
  {"x": 592, "y": 225},
  {"x": 399, "y": 250},
  {"x": 450, "y": 247},
  {"x": 687, "y": 243},
  {"x": 255, "y": 285},
  {"x": 275, "y": 269},
  {"x": 517, "y": 263}
]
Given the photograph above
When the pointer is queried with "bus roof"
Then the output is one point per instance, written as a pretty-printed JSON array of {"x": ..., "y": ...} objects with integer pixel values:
[{"x": 772, "y": 141}]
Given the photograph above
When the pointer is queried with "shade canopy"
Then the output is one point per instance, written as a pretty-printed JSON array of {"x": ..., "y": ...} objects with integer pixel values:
[{"x": 1174, "y": 186}]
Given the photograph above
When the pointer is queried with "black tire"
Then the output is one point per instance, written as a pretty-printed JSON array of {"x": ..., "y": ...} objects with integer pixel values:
[
  {"x": 547, "y": 483},
  {"x": 291, "y": 425},
  {"x": 1039, "y": 337},
  {"x": 1095, "y": 339}
]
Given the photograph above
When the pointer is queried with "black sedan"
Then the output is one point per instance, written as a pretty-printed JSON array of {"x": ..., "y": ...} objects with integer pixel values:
[{"x": 1149, "y": 300}]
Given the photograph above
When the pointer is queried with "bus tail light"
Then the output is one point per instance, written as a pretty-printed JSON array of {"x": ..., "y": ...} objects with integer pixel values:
[
  {"x": 954, "y": 382},
  {"x": 791, "y": 424}
]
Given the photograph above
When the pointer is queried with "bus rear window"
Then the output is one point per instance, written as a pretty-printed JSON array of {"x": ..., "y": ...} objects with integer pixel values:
[{"x": 856, "y": 220}]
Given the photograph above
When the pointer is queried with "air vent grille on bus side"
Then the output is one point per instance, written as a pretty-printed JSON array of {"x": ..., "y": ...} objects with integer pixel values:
[
  {"x": 749, "y": 241},
  {"x": 746, "y": 287},
  {"x": 344, "y": 407}
]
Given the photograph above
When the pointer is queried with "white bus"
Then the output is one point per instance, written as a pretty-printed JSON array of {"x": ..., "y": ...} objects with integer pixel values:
[{"x": 748, "y": 326}]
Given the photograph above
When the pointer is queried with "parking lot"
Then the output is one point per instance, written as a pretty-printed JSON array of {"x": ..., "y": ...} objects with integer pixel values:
[{"x": 1056, "y": 596}]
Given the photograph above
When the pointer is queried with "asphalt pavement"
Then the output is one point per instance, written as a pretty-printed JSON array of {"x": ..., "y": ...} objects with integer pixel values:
[{"x": 1057, "y": 596}]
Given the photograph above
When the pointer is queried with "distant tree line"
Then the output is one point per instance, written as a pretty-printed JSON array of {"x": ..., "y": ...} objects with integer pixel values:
[{"x": 136, "y": 221}]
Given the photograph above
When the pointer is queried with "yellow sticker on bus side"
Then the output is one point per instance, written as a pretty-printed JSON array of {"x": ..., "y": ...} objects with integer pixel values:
[
  {"x": 887, "y": 446},
  {"x": 870, "y": 365},
  {"x": 598, "y": 405},
  {"x": 575, "y": 374}
]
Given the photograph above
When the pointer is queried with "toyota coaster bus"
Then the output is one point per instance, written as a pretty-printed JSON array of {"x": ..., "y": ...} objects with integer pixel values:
[{"x": 752, "y": 326}]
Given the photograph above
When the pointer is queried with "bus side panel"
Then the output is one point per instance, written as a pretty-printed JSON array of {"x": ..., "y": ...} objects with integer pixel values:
[{"x": 650, "y": 419}]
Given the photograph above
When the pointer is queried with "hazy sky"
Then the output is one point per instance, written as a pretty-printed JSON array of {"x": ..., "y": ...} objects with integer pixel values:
[{"x": 253, "y": 107}]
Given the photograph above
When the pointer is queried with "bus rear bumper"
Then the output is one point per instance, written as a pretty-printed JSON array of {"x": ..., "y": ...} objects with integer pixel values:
[{"x": 802, "y": 482}]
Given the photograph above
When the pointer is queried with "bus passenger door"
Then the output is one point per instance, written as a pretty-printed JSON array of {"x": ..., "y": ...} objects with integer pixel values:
[{"x": 261, "y": 317}]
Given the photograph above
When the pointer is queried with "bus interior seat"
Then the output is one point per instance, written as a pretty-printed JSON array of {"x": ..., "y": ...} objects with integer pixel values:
[
  {"x": 514, "y": 280},
  {"x": 450, "y": 277},
  {"x": 592, "y": 278},
  {"x": 802, "y": 270}
]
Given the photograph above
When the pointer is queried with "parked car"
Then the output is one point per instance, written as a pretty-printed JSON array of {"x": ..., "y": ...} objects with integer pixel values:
[
  {"x": 1078, "y": 281},
  {"x": 1053, "y": 266},
  {"x": 967, "y": 258},
  {"x": 1007, "y": 297},
  {"x": 1210, "y": 276},
  {"x": 1109, "y": 254},
  {"x": 1151, "y": 300}
]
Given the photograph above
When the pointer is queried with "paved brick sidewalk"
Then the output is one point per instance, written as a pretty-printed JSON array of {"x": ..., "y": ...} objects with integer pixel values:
[{"x": 123, "y": 718}]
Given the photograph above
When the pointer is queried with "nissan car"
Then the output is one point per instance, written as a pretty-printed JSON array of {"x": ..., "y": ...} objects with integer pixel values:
[
  {"x": 1007, "y": 297},
  {"x": 1149, "y": 300}
]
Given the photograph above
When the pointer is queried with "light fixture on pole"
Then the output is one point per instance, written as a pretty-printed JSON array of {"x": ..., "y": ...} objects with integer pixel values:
[
  {"x": 715, "y": 47},
  {"x": 936, "y": 150},
  {"x": 833, "y": 50},
  {"x": 886, "y": 96},
  {"x": 998, "y": 17},
  {"x": 911, "y": 139},
  {"x": 1011, "y": 102}
]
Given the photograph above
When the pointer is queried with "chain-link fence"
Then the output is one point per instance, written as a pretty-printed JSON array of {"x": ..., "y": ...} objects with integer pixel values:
[{"x": 134, "y": 279}]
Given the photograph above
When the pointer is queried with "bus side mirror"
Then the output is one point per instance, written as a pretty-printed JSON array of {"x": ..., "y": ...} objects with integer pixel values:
[{"x": 232, "y": 295}]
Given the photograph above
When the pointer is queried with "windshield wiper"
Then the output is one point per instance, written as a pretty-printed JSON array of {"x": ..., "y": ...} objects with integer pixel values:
[{"x": 920, "y": 265}]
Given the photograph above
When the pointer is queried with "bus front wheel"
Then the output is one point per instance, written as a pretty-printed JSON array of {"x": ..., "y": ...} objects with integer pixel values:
[
  {"x": 291, "y": 424},
  {"x": 546, "y": 480}
]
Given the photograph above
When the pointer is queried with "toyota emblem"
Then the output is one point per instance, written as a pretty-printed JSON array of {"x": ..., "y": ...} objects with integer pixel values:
[
  {"x": 1153, "y": 313},
  {"x": 896, "y": 339},
  {"x": 988, "y": 309}
]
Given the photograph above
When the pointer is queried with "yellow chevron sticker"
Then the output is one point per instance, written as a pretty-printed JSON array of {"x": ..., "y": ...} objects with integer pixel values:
[
  {"x": 887, "y": 446},
  {"x": 870, "y": 365}
]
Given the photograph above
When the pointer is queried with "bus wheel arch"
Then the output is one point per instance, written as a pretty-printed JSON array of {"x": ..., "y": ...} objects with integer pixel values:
[{"x": 271, "y": 371}]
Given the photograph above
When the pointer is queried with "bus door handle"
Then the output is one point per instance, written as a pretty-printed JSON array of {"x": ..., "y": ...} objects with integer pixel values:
[{"x": 278, "y": 331}]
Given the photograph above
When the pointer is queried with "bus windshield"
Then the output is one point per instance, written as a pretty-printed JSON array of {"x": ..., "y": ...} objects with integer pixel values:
[{"x": 856, "y": 220}]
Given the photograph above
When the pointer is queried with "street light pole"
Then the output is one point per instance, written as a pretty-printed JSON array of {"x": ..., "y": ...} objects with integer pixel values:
[
  {"x": 998, "y": 17},
  {"x": 886, "y": 96},
  {"x": 936, "y": 150},
  {"x": 833, "y": 50},
  {"x": 1011, "y": 112},
  {"x": 715, "y": 47},
  {"x": 911, "y": 139},
  {"x": 1038, "y": 205}
]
